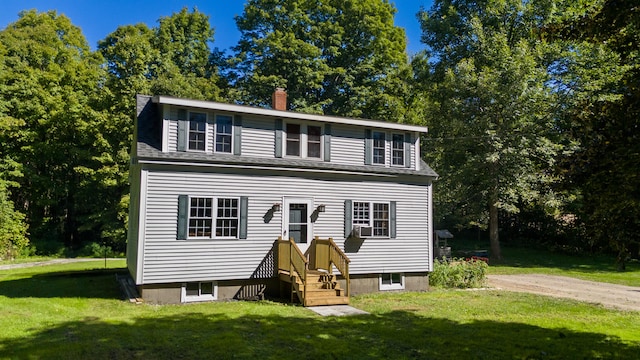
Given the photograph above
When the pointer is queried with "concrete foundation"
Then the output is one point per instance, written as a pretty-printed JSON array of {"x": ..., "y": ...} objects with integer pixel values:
[{"x": 256, "y": 289}]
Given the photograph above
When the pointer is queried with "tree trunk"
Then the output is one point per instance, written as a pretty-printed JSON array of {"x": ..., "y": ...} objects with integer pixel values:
[{"x": 493, "y": 232}]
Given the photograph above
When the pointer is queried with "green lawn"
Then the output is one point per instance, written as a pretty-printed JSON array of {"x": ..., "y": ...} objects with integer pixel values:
[
  {"x": 518, "y": 260},
  {"x": 74, "y": 311}
]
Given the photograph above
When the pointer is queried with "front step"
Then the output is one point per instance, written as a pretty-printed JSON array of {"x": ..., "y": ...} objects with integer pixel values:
[
  {"x": 328, "y": 300},
  {"x": 322, "y": 289}
]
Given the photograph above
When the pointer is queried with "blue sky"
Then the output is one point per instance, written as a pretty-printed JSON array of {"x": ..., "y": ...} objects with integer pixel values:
[{"x": 99, "y": 18}]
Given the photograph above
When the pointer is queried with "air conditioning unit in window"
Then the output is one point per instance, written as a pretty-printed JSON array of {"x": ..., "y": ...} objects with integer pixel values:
[{"x": 362, "y": 231}]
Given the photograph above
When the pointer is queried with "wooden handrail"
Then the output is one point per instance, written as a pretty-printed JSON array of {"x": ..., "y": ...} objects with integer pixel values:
[
  {"x": 332, "y": 256},
  {"x": 291, "y": 259}
]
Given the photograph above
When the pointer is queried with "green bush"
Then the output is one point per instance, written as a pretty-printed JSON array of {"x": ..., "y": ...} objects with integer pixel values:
[
  {"x": 458, "y": 273},
  {"x": 96, "y": 250}
]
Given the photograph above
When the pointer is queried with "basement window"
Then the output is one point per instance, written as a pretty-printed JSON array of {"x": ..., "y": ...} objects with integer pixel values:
[
  {"x": 391, "y": 281},
  {"x": 199, "y": 291}
]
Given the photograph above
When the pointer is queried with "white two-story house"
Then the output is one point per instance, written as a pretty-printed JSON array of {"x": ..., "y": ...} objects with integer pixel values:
[{"x": 232, "y": 201}]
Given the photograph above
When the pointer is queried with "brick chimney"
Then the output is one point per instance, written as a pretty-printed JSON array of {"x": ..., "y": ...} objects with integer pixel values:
[{"x": 279, "y": 99}]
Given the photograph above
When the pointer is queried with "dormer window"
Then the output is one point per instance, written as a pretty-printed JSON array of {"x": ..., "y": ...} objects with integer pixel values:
[
  {"x": 379, "y": 144},
  {"x": 397, "y": 149},
  {"x": 303, "y": 140},
  {"x": 197, "y": 131},
  {"x": 293, "y": 140},
  {"x": 224, "y": 133},
  {"x": 379, "y": 147},
  {"x": 207, "y": 132}
]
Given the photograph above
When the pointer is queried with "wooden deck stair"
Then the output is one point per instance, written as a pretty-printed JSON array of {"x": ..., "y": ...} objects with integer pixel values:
[
  {"x": 321, "y": 289},
  {"x": 313, "y": 287}
]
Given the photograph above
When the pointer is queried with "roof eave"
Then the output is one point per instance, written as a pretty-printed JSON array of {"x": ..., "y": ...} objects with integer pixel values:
[{"x": 212, "y": 105}]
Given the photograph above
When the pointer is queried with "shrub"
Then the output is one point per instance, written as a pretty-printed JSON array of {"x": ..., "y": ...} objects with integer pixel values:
[
  {"x": 97, "y": 250},
  {"x": 458, "y": 273},
  {"x": 13, "y": 230}
]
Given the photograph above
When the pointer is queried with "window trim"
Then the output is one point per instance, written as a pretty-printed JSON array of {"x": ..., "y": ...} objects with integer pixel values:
[
  {"x": 214, "y": 218},
  {"x": 210, "y": 131},
  {"x": 374, "y": 148},
  {"x": 402, "y": 150},
  {"x": 200, "y": 297},
  {"x": 231, "y": 134},
  {"x": 303, "y": 140},
  {"x": 392, "y": 285},
  {"x": 206, "y": 131}
]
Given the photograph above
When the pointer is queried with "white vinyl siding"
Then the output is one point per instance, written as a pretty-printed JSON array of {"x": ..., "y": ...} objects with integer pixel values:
[
  {"x": 258, "y": 138},
  {"x": 347, "y": 145},
  {"x": 169, "y": 260}
]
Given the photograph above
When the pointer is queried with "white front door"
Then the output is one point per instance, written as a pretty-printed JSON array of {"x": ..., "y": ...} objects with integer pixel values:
[{"x": 296, "y": 222}]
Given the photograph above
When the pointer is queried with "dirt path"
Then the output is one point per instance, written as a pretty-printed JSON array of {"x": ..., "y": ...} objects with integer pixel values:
[{"x": 609, "y": 295}]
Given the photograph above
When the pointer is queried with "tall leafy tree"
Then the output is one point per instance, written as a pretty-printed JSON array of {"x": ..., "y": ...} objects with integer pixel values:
[
  {"x": 49, "y": 81},
  {"x": 601, "y": 77},
  {"x": 493, "y": 137},
  {"x": 333, "y": 57}
]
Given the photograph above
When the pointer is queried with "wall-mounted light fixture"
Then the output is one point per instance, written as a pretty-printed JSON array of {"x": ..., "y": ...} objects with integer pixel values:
[
  {"x": 275, "y": 207},
  {"x": 321, "y": 208}
]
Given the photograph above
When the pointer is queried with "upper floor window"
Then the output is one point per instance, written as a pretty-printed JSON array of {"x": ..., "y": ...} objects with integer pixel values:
[
  {"x": 379, "y": 147},
  {"x": 379, "y": 144},
  {"x": 197, "y": 131},
  {"x": 314, "y": 136},
  {"x": 397, "y": 149},
  {"x": 303, "y": 140},
  {"x": 293, "y": 140},
  {"x": 224, "y": 133}
]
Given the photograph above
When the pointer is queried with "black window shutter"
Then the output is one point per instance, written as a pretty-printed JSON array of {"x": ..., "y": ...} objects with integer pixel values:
[
  {"x": 237, "y": 135},
  {"x": 182, "y": 130},
  {"x": 348, "y": 218},
  {"x": 392, "y": 219},
  {"x": 278, "y": 147},
  {"x": 368, "y": 147},
  {"x": 327, "y": 142},
  {"x": 244, "y": 208},
  {"x": 183, "y": 208},
  {"x": 408, "y": 144}
]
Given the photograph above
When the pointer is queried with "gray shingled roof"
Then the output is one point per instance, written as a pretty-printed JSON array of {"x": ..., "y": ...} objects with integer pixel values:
[{"x": 149, "y": 153}]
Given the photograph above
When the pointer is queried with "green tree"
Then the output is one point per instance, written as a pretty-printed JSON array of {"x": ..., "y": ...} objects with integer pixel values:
[
  {"x": 13, "y": 229},
  {"x": 600, "y": 75},
  {"x": 333, "y": 57},
  {"x": 49, "y": 80},
  {"x": 492, "y": 136}
]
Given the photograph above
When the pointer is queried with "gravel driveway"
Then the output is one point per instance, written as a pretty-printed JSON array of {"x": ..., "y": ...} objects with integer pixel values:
[{"x": 609, "y": 295}]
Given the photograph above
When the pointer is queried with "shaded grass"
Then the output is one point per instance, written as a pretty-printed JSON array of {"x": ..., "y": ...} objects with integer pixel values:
[
  {"x": 73, "y": 311},
  {"x": 519, "y": 260}
]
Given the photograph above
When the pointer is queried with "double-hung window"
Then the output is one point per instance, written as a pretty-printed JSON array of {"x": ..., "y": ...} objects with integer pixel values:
[
  {"x": 379, "y": 147},
  {"x": 200, "y": 217},
  {"x": 293, "y": 140},
  {"x": 197, "y": 131},
  {"x": 224, "y": 133},
  {"x": 303, "y": 140},
  {"x": 201, "y": 131},
  {"x": 227, "y": 220},
  {"x": 211, "y": 217},
  {"x": 375, "y": 215},
  {"x": 387, "y": 148},
  {"x": 397, "y": 149}
]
